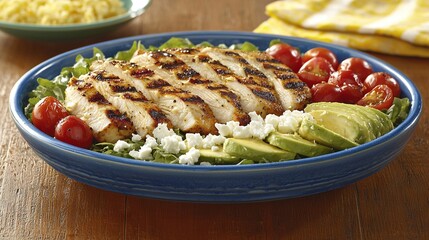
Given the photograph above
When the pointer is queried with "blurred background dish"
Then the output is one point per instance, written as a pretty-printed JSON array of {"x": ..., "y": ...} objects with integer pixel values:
[{"x": 133, "y": 9}]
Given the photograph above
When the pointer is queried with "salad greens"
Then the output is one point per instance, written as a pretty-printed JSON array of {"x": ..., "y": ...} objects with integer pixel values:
[{"x": 399, "y": 110}]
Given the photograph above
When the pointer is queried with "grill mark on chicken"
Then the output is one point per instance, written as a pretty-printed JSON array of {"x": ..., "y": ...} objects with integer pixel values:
[
  {"x": 133, "y": 97},
  {"x": 189, "y": 79},
  {"x": 119, "y": 119},
  {"x": 141, "y": 72},
  {"x": 107, "y": 122},
  {"x": 157, "y": 84},
  {"x": 186, "y": 111},
  {"x": 98, "y": 98},
  {"x": 295, "y": 85},
  {"x": 265, "y": 95}
]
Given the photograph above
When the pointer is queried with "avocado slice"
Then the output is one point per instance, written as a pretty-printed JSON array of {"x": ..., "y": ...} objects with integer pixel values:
[
  {"x": 297, "y": 144},
  {"x": 376, "y": 122},
  {"x": 367, "y": 121},
  {"x": 385, "y": 123},
  {"x": 217, "y": 157},
  {"x": 314, "y": 132},
  {"x": 256, "y": 150},
  {"x": 343, "y": 124}
]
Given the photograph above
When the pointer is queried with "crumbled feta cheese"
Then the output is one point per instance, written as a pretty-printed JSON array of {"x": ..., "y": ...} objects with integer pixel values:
[
  {"x": 223, "y": 129},
  {"x": 290, "y": 121},
  {"x": 254, "y": 117},
  {"x": 150, "y": 142},
  {"x": 136, "y": 138},
  {"x": 162, "y": 131},
  {"x": 215, "y": 148},
  {"x": 260, "y": 130},
  {"x": 242, "y": 132},
  {"x": 120, "y": 145},
  {"x": 272, "y": 119},
  {"x": 190, "y": 158},
  {"x": 194, "y": 140},
  {"x": 212, "y": 140},
  {"x": 144, "y": 153},
  {"x": 173, "y": 144}
]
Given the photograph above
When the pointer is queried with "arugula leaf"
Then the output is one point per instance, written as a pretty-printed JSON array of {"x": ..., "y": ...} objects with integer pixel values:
[
  {"x": 399, "y": 110},
  {"x": 246, "y": 47},
  {"x": 175, "y": 42},
  {"x": 128, "y": 54}
]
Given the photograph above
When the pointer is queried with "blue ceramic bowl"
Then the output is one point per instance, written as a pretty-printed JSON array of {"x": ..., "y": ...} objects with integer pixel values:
[
  {"x": 213, "y": 183},
  {"x": 133, "y": 8}
]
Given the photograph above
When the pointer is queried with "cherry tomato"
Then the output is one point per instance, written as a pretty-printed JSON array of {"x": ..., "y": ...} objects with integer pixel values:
[
  {"x": 47, "y": 113},
  {"x": 350, "y": 85},
  {"x": 357, "y": 65},
  {"x": 286, "y": 54},
  {"x": 380, "y": 97},
  {"x": 316, "y": 70},
  {"x": 321, "y": 52},
  {"x": 351, "y": 93},
  {"x": 379, "y": 78},
  {"x": 345, "y": 77},
  {"x": 75, "y": 131},
  {"x": 326, "y": 92}
]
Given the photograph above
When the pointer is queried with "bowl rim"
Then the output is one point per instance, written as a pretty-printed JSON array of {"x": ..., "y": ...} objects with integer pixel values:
[
  {"x": 22, "y": 122},
  {"x": 131, "y": 13}
]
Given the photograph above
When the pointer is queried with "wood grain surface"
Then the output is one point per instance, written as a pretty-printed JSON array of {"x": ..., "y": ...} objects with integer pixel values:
[{"x": 36, "y": 202}]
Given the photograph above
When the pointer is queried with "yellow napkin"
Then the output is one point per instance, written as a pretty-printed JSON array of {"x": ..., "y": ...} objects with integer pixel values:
[{"x": 398, "y": 27}]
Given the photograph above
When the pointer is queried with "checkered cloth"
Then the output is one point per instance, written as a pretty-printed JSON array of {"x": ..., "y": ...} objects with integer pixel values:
[{"x": 399, "y": 27}]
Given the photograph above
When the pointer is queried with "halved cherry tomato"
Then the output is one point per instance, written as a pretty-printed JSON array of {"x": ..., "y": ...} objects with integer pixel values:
[
  {"x": 326, "y": 92},
  {"x": 75, "y": 131},
  {"x": 357, "y": 65},
  {"x": 316, "y": 70},
  {"x": 380, "y": 97},
  {"x": 47, "y": 113},
  {"x": 350, "y": 85},
  {"x": 351, "y": 93},
  {"x": 321, "y": 52},
  {"x": 379, "y": 78},
  {"x": 345, "y": 77},
  {"x": 286, "y": 54}
]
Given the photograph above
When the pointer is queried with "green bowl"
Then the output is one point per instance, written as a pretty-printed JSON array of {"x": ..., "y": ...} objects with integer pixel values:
[{"x": 134, "y": 8}]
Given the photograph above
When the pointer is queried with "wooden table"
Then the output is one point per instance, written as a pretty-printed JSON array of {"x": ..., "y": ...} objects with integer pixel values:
[{"x": 36, "y": 202}]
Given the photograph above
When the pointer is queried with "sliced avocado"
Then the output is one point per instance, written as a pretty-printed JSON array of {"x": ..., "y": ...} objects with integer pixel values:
[
  {"x": 374, "y": 120},
  {"x": 256, "y": 150},
  {"x": 314, "y": 132},
  {"x": 343, "y": 124},
  {"x": 297, "y": 144},
  {"x": 366, "y": 120},
  {"x": 386, "y": 124},
  {"x": 217, "y": 157}
]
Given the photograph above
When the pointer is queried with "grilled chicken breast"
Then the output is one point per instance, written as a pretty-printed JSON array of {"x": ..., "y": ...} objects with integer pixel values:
[
  {"x": 185, "y": 111},
  {"x": 189, "y": 89},
  {"x": 144, "y": 114},
  {"x": 222, "y": 101},
  {"x": 107, "y": 122}
]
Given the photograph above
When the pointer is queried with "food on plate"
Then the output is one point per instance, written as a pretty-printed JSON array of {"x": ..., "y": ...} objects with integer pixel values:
[
  {"x": 203, "y": 104},
  {"x": 54, "y": 12}
]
